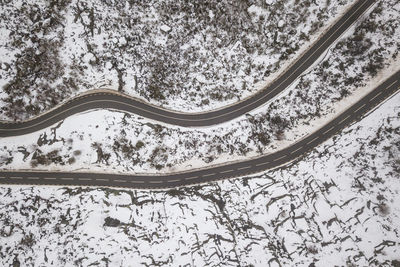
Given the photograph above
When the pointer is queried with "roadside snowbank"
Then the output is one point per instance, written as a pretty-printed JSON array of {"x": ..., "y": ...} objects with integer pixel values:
[
  {"x": 118, "y": 142},
  {"x": 184, "y": 56},
  {"x": 338, "y": 206}
]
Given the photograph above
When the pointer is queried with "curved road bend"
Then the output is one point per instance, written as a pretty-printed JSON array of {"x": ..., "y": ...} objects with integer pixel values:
[
  {"x": 234, "y": 169},
  {"x": 124, "y": 103}
]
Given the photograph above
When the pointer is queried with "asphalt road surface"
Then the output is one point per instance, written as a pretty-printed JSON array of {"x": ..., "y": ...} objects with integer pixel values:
[
  {"x": 229, "y": 170},
  {"x": 126, "y": 103},
  {"x": 279, "y": 158}
]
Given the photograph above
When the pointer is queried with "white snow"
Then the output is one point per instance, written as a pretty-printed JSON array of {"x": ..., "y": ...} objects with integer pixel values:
[
  {"x": 327, "y": 209},
  {"x": 165, "y": 28},
  {"x": 85, "y": 53}
]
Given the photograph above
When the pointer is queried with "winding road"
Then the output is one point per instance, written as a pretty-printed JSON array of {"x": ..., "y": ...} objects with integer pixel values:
[
  {"x": 125, "y": 103},
  {"x": 229, "y": 170}
]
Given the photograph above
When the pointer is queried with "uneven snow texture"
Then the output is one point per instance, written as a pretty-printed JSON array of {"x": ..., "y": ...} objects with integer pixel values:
[
  {"x": 339, "y": 206},
  {"x": 184, "y": 55},
  {"x": 117, "y": 142}
]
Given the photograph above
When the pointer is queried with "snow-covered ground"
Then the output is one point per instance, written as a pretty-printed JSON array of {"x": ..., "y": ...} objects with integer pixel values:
[
  {"x": 187, "y": 56},
  {"x": 117, "y": 142},
  {"x": 339, "y": 206}
]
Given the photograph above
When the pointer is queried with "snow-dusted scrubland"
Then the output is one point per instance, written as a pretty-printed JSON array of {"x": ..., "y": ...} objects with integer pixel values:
[
  {"x": 188, "y": 56},
  {"x": 336, "y": 207},
  {"x": 114, "y": 141}
]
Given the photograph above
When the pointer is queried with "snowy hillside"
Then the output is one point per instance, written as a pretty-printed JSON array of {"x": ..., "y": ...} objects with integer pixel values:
[
  {"x": 184, "y": 55},
  {"x": 336, "y": 207},
  {"x": 119, "y": 142}
]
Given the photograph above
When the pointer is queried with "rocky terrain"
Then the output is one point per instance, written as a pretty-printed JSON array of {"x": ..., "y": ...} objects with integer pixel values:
[
  {"x": 336, "y": 207},
  {"x": 183, "y": 55},
  {"x": 114, "y": 141}
]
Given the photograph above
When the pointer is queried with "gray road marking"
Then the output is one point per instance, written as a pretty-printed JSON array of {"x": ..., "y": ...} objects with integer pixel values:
[
  {"x": 294, "y": 151},
  {"x": 355, "y": 111},
  {"x": 264, "y": 163},
  {"x": 313, "y": 140},
  {"x": 227, "y": 171},
  {"x": 243, "y": 168},
  {"x": 344, "y": 119},
  {"x": 173, "y": 181},
  {"x": 391, "y": 85},
  {"x": 339, "y": 26},
  {"x": 191, "y": 178},
  {"x": 137, "y": 182},
  {"x": 378, "y": 94},
  {"x": 280, "y": 158},
  {"x": 328, "y": 130}
]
